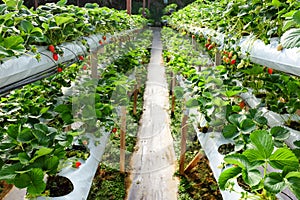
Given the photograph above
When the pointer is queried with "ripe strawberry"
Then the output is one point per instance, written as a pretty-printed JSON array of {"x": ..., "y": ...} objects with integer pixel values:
[
  {"x": 242, "y": 104},
  {"x": 233, "y": 61},
  {"x": 77, "y": 164},
  {"x": 193, "y": 36},
  {"x": 59, "y": 69},
  {"x": 100, "y": 42},
  {"x": 207, "y": 44},
  {"x": 270, "y": 71},
  {"x": 84, "y": 67},
  {"x": 210, "y": 47},
  {"x": 55, "y": 56},
  {"x": 80, "y": 57},
  {"x": 104, "y": 37},
  {"x": 51, "y": 48},
  {"x": 114, "y": 130}
]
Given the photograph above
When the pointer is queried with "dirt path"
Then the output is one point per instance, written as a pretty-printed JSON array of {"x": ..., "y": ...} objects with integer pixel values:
[{"x": 154, "y": 162}]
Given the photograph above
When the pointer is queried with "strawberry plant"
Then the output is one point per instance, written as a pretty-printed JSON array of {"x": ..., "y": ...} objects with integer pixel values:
[{"x": 262, "y": 153}]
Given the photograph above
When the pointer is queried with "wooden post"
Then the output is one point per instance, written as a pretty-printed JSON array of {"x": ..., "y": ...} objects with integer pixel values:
[
  {"x": 36, "y": 4},
  {"x": 144, "y": 5},
  {"x": 122, "y": 139},
  {"x": 194, "y": 162},
  {"x": 94, "y": 64},
  {"x": 218, "y": 58},
  {"x": 128, "y": 7},
  {"x": 173, "y": 94},
  {"x": 135, "y": 97},
  {"x": 184, "y": 129}
]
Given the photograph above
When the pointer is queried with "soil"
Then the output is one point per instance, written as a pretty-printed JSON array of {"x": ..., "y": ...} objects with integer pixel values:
[
  {"x": 293, "y": 124},
  {"x": 4, "y": 188},
  {"x": 199, "y": 183},
  {"x": 108, "y": 184},
  {"x": 224, "y": 149},
  {"x": 59, "y": 186}
]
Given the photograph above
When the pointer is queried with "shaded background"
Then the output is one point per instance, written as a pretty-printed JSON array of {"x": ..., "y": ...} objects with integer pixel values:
[{"x": 155, "y": 6}]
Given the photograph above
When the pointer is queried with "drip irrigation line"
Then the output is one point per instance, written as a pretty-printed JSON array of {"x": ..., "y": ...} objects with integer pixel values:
[
  {"x": 76, "y": 58},
  {"x": 287, "y": 195},
  {"x": 49, "y": 57}
]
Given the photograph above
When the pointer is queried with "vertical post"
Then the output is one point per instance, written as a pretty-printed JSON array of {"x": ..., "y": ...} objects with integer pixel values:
[
  {"x": 184, "y": 129},
  {"x": 173, "y": 95},
  {"x": 135, "y": 97},
  {"x": 144, "y": 5},
  {"x": 78, "y": 3},
  {"x": 94, "y": 64},
  {"x": 218, "y": 58},
  {"x": 36, "y": 4},
  {"x": 122, "y": 139},
  {"x": 128, "y": 7}
]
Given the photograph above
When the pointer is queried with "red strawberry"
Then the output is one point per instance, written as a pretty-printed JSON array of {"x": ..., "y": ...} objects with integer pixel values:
[
  {"x": 270, "y": 71},
  {"x": 55, "y": 56},
  {"x": 104, "y": 37},
  {"x": 242, "y": 104},
  {"x": 77, "y": 164},
  {"x": 84, "y": 67},
  {"x": 193, "y": 36},
  {"x": 80, "y": 57},
  {"x": 114, "y": 130},
  {"x": 233, "y": 61},
  {"x": 210, "y": 47},
  {"x": 59, "y": 69},
  {"x": 100, "y": 42},
  {"x": 207, "y": 44},
  {"x": 51, "y": 48}
]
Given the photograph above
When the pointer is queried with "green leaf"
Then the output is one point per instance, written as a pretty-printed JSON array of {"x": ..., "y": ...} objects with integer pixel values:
[
  {"x": 44, "y": 110},
  {"x": 276, "y": 3},
  {"x": 254, "y": 155},
  {"x": 296, "y": 17},
  {"x": 62, "y": 2},
  {"x": 24, "y": 158},
  {"x": 8, "y": 172},
  {"x": 26, "y": 26},
  {"x": 274, "y": 182},
  {"x": 263, "y": 142},
  {"x": 63, "y": 108},
  {"x": 33, "y": 180},
  {"x": 179, "y": 92},
  {"x": 52, "y": 164},
  {"x": 41, "y": 152},
  {"x": 291, "y": 38},
  {"x": 252, "y": 177},
  {"x": 192, "y": 103},
  {"x": 237, "y": 159},
  {"x": 283, "y": 157},
  {"x": 230, "y": 131},
  {"x": 13, "y": 131},
  {"x": 294, "y": 182},
  {"x": 280, "y": 133},
  {"x": 236, "y": 119},
  {"x": 25, "y": 135},
  {"x": 297, "y": 143},
  {"x": 63, "y": 20},
  {"x": 247, "y": 125},
  {"x": 228, "y": 174},
  {"x": 14, "y": 42}
]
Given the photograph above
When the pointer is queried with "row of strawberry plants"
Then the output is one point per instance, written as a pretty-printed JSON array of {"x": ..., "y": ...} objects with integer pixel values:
[
  {"x": 247, "y": 40},
  {"x": 53, "y": 24},
  {"x": 217, "y": 99},
  {"x": 39, "y": 122}
]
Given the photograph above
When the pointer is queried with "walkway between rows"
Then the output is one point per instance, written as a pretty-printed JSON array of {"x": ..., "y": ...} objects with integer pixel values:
[{"x": 154, "y": 162}]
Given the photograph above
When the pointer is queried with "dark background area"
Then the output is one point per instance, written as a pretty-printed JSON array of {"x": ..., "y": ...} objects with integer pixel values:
[{"x": 155, "y": 6}]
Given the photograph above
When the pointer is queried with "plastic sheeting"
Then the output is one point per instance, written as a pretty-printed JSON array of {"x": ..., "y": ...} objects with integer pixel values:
[
  {"x": 287, "y": 60},
  {"x": 15, "y": 70}
]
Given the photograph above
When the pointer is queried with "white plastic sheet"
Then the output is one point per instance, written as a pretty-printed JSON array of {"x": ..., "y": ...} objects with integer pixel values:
[{"x": 287, "y": 60}]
